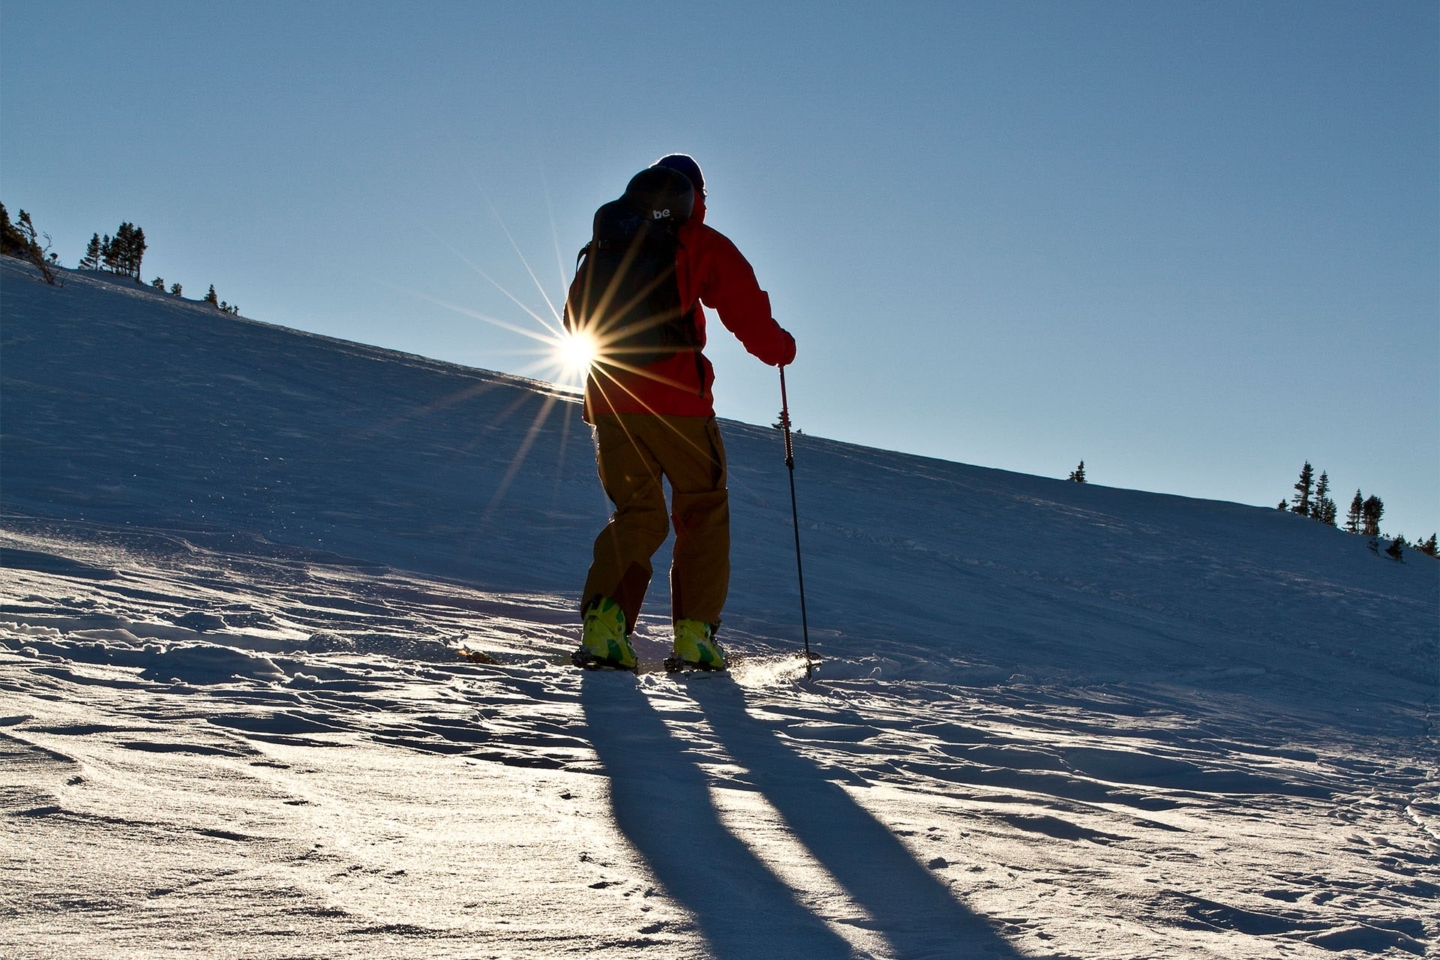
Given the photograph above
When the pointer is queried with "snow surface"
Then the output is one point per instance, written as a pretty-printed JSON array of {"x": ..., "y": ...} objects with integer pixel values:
[{"x": 1051, "y": 719}]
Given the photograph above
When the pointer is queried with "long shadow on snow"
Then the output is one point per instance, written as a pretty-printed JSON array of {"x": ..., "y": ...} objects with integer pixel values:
[
  {"x": 910, "y": 906},
  {"x": 662, "y": 804}
]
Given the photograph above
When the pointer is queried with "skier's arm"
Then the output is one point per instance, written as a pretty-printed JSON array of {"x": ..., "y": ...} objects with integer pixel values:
[{"x": 730, "y": 288}]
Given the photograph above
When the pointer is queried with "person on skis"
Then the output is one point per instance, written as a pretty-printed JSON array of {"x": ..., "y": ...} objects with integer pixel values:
[{"x": 648, "y": 398}]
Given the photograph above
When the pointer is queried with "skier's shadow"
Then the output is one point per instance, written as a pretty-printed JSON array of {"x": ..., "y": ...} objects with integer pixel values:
[
  {"x": 910, "y": 906},
  {"x": 662, "y": 804}
]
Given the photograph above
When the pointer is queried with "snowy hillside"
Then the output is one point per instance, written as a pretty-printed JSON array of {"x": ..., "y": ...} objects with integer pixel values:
[{"x": 1051, "y": 720}]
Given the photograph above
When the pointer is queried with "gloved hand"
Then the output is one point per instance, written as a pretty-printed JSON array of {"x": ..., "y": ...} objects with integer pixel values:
[{"x": 790, "y": 354}]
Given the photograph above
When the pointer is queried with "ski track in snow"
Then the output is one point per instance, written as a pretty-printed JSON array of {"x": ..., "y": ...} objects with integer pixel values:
[{"x": 1049, "y": 721}]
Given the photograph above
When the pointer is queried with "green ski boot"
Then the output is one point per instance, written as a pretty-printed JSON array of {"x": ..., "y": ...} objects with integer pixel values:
[
  {"x": 604, "y": 644},
  {"x": 695, "y": 648}
]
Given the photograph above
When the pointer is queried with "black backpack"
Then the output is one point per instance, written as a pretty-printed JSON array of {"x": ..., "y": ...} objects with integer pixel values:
[{"x": 625, "y": 292}]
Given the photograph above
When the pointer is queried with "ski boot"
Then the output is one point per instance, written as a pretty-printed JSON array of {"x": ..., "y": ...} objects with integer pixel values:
[
  {"x": 604, "y": 644},
  {"x": 695, "y": 648}
]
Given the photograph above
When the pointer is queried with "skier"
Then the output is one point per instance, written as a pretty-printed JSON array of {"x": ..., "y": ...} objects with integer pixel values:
[{"x": 655, "y": 417}]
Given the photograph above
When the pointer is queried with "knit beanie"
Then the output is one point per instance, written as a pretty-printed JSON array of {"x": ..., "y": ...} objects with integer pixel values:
[{"x": 685, "y": 164}]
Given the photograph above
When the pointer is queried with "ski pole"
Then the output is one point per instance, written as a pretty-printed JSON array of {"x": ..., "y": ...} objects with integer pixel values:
[{"x": 795, "y": 513}]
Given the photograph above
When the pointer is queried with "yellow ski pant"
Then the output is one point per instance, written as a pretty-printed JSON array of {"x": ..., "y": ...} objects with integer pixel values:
[{"x": 634, "y": 451}]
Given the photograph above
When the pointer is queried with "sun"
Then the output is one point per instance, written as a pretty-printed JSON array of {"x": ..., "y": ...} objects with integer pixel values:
[{"x": 577, "y": 351}]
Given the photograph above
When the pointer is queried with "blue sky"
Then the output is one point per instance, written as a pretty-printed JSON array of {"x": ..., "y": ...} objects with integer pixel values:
[{"x": 1194, "y": 244}]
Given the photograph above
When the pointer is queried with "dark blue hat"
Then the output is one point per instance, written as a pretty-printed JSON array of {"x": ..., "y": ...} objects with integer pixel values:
[{"x": 685, "y": 164}]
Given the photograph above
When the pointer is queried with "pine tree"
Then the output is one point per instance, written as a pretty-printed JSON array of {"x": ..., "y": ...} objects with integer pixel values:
[
  {"x": 1282, "y": 506},
  {"x": 137, "y": 251},
  {"x": 1370, "y": 513},
  {"x": 1396, "y": 550},
  {"x": 1431, "y": 546},
  {"x": 158, "y": 284},
  {"x": 1356, "y": 516},
  {"x": 12, "y": 241},
  {"x": 176, "y": 289},
  {"x": 210, "y": 297},
  {"x": 123, "y": 253},
  {"x": 1303, "y": 488},
  {"x": 91, "y": 260},
  {"x": 1078, "y": 474},
  {"x": 19, "y": 239},
  {"x": 120, "y": 249},
  {"x": 1324, "y": 509},
  {"x": 124, "y": 238}
]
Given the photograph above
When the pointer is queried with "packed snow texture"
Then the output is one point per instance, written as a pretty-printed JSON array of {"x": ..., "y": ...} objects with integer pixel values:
[{"x": 239, "y": 566}]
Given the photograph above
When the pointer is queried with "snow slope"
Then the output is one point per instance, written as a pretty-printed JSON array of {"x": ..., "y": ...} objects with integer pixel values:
[{"x": 1051, "y": 719}]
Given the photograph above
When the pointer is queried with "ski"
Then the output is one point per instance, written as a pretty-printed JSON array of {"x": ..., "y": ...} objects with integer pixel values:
[
  {"x": 670, "y": 666},
  {"x": 588, "y": 661},
  {"x": 676, "y": 665}
]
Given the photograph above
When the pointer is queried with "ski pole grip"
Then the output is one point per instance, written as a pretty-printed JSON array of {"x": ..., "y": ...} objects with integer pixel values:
[{"x": 785, "y": 423}]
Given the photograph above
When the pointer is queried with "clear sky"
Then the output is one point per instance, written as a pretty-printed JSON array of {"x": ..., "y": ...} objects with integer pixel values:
[{"x": 1194, "y": 244}]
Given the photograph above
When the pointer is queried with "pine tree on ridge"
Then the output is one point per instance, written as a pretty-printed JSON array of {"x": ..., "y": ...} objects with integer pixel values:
[
  {"x": 1356, "y": 516},
  {"x": 1370, "y": 513},
  {"x": 1303, "y": 489}
]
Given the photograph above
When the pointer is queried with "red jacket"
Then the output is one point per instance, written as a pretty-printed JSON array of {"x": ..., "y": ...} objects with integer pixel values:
[{"x": 710, "y": 270}]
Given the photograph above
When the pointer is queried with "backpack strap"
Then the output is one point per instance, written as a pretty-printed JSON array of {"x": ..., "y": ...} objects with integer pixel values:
[{"x": 579, "y": 258}]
